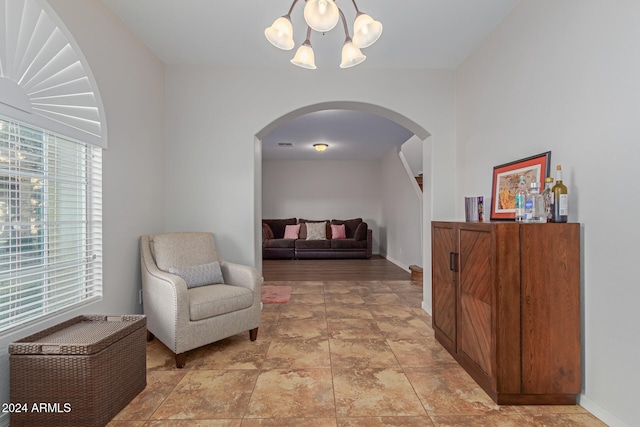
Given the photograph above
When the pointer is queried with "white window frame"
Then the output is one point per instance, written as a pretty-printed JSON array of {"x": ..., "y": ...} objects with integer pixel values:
[{"x": 52, "y": 192}]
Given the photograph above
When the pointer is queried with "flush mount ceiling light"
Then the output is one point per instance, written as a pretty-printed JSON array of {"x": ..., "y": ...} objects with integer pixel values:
[
  {"x": 320, "y": 147},
  {"x": 323, "y": 16}
]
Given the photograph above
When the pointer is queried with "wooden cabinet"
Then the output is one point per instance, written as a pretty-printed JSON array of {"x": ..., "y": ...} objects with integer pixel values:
[{"x": 506, "y": 305}]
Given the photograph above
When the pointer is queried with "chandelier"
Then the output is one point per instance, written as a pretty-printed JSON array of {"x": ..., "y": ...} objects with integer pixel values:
[{"x": 323, "y": 16}]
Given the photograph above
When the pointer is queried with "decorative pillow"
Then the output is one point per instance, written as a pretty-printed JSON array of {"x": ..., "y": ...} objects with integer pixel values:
[
  {"x": 338, "y": 231},
  {"x": 291, "y": 231},
  {"x": 199, "y": 275},
  {"x": 316, "y": 230}
]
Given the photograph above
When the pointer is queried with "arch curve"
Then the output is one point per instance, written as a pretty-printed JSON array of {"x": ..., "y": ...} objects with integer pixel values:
[{"x": 364, "y": 107}]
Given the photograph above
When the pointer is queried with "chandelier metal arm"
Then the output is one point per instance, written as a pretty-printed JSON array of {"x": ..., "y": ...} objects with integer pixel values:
[
  {"x": 344, "y": 24},
  {"x": 356, "y": 7},
  {"x": 291, "y": 8}
]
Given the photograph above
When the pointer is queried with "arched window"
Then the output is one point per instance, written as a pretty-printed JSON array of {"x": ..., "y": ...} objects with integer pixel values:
[{"x": 52, "y": 132}]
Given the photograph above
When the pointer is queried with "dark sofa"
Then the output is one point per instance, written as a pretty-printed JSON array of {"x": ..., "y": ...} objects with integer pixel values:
[{"x": 356, "y": 244}]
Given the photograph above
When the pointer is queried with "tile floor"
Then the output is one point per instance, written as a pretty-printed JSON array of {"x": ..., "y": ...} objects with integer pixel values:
[{"x": 341, "y": 354}]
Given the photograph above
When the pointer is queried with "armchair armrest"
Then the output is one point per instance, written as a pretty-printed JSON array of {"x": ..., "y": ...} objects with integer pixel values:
[{"x": 241, "y": 275}]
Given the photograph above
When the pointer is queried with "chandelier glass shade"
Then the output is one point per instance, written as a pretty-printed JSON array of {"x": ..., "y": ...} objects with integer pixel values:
[
  {"x": 320, "y": 147},
  {"x": 322, "y": 16}
]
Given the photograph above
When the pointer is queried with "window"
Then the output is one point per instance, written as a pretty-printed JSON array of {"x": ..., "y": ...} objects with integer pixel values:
[{"x": 50, "y": 223}]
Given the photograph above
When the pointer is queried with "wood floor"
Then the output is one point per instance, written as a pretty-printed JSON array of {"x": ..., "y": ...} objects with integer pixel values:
[{"x": 374, "y": 268}]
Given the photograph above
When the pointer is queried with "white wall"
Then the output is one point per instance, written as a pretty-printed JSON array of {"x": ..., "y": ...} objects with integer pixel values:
[
  {"x": 564, "y": 75},
  {"x": 216, "y": 112},
  {"x": 323, "y": 189},
  {"x": 400, "y": 228},
  {"x": 412, "y": 151},
  {"x": 131, "y": 83}
]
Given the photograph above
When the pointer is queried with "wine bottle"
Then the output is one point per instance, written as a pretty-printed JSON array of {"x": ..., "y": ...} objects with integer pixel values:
[
  {"x": 560, "y": 203},
  {"x": 521, "y": 197}
]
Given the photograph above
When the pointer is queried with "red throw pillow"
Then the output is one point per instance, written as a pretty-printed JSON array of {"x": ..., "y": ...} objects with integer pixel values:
[
  {"x": 338, "y": 231},
  {"x": 291, "y": 231}
]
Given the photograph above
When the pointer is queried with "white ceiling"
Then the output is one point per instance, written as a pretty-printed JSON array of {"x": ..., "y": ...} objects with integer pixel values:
[{"x": 437, "y": 34}]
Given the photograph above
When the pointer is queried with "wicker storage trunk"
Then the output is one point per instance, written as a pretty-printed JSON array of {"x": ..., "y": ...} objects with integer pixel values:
[{"x": 81, "y": 372}]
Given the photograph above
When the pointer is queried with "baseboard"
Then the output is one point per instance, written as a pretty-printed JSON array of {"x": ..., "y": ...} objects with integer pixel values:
[
  {"x": 601, "y": 413},
  {"x": 396, "y": 262},
  {"x": 426, "y": 308}
]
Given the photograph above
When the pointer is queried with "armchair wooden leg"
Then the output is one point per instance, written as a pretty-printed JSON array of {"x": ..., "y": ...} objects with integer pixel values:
[
  {"x": 253, "y": 334},
  {"x": 181, "y": 360},
  {"x": 150, "y": 336}
]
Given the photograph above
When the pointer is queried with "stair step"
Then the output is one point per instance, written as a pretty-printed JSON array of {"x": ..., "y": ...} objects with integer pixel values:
[{"x": 416, "y": 273}]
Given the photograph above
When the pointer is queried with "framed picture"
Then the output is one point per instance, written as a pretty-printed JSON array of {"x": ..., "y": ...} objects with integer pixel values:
[{"x": 506, "y": 178}]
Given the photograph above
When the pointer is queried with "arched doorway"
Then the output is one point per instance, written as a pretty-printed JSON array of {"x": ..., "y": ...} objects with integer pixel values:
[{"x": 401, "y": 120}]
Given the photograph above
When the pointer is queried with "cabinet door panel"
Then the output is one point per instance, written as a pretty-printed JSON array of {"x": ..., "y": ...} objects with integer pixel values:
[
  {"x": 474, "y": 329},
  {"x": 443, "y": 283},
  {"x": 551, "y": 309}
]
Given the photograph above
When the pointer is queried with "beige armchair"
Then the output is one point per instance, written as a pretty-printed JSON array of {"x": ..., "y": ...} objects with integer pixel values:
[{"x": 184, "y": 310}]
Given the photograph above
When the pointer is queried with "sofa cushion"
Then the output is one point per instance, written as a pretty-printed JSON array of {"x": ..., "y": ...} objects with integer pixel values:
[
  {"x": 280, "y": 243},
  {"x": 210, "y": 301},
  {"x": 199, "y": 275},
  {"x": 277, "y": 226},
  {"x": 350, "y": 225},
  {"x": 291, "y": 231},
  {"x": 267, "y": 232},
  {"x": 338, "y": 231},
  {"x": 313, "y": 244},
  {"x": 348, "y": 244},
  {"x": 303, "y": 227},
  {"x": 361, "y": 232},
  {"x": 316, "y": 231}
]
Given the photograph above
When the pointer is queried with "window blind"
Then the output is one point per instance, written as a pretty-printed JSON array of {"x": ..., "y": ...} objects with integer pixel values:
[{"x": 50, "y": 223}]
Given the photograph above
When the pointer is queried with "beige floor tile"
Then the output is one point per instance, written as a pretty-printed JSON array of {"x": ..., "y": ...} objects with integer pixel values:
[
  {"x": 412, "y": 328},
  {"x": 385, "y": 422},
  {"x": 339, "y": 287},
  {"x": 301, "y": 393},
  {"x": 209, "y": 395},
  {"x": 404, "y": 286},
  {"x": 303, "y": 285},
  {"x": 237, "y": 352},
  {"x": 348, "y": 311},
  {"x": 361, "y": 353},
  {"x": 298, "y": 354},
  {"x": 194, "y": 423},
  {"x": 307, "y": 298},
  {"x": 419, "y": 352},
  {"x": 344, "y": 298},
  {"x": 353, "y": 329},
  {"x": 120, "y": 423},
  {"x": 385, "y": 299},
  {"x": 303, "y": 311},
  {"x": 159, "y": 356},
  {"x": 447, "y": 389},
  {"x": 374, "y": 392},
  {"x": 301, "y": 328},
  {"x": 492, "y": 420},
  {"x": 564, "y": 420},
  {"x": 289, "y": 422},
  {"x": 550, "y": 409},
  {"x": 368, "y": 288},
  {"x": 392, "y": 312},
  {"x": 159, "y": 386}
]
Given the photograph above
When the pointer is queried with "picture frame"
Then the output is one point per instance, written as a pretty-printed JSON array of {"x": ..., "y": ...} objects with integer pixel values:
[{"x": 506, "y": 178}]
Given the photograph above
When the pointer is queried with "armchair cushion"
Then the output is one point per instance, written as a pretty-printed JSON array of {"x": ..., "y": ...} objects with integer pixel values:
[
  {"x": 210, "y": 301},
  {"x": 199, "y": 275},
  {"x": 183, "y": 250}
]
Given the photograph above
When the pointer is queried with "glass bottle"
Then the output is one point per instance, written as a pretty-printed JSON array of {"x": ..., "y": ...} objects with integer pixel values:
[
  {"x": 534, "y": 205},
  {"x": 560, "y": 206},
  {"x": 521, "y": 196},
  {"x": 547, "y": 195}
]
